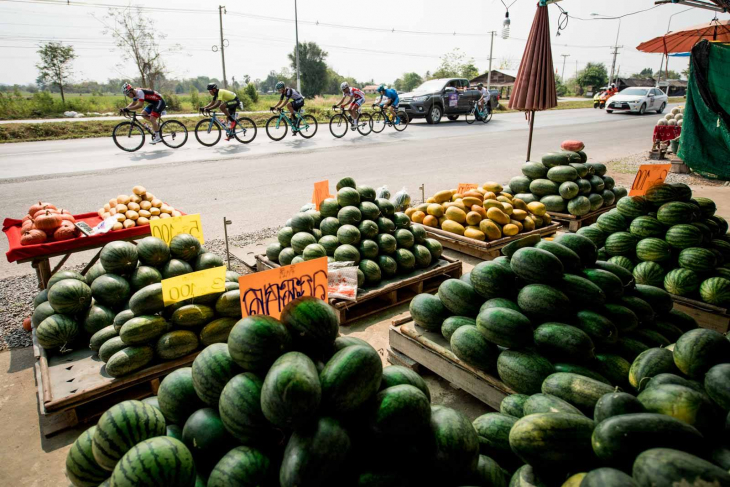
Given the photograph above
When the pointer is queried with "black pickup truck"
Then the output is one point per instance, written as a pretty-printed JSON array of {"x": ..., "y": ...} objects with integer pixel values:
[{"x": 444, "y": 97}]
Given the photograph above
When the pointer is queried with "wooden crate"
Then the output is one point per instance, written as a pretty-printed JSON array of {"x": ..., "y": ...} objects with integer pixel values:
[
  {"x": 707, "y": 315},
  {"x": 575, "y": 223},
  {"x": 74, "y": 388},
  {"x": 432, "y": 351},
  {"x": 388, "y": 293},
  {"x": 479, "y": 249}
]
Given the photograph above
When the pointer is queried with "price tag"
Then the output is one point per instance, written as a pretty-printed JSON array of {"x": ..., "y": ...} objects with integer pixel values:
[
  {"x": 194, "y": 285},
  {"x": 464, "y": 187},
  {"x": 166, "y": 228},
  {"x": 268, "y": 292},
  {"x": 647, "y": 176},
  {"x": 321, "y": 192}
]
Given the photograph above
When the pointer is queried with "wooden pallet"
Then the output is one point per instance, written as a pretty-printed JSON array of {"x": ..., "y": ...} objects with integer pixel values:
[
  {"x": 479, "y": 249},
  {"x": 575, "y": 223},
  {"x": 707, "y": 315},
  {"x": 432, "y": 351},
  {"x": 388, "y": 293},
  {"x": 74, "y": 388}
]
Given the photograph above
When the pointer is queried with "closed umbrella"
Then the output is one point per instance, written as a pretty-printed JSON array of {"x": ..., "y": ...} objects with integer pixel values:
[{"x": 534, "y": 88}]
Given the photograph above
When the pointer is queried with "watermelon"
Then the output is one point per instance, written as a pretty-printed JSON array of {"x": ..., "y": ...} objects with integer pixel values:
[
  {"x": 174, "y": 268},
  {"x": 428, "y": 312},
  {"x": 243, "y": 466},
  {"x": 523, "y": 371},
  {"x": 454, "y": 444},
  {"x": 716, "y": 290},
  {"x": 399, "y": 410},
  {"x": 349, "y": 215},
  {"x": 682, "y": 282},
  {"x": 459, "y": 297},
  {"x": 584, "y": 247},
  {"x": 329, "y": 207},
  {"x": 622, "y": 261},
  {"x": 491, "y": 280},
  {"x": 685, "y": 404},
  {"x": 674, "y": 213},
  {"x": 98, "y": 317},
  {"x": 129, "y": 360},
  {"x": 471, "y": 346},
  {"x": 601, "y": 330},
  {"x": 683, "y": 236},
  {"x": 119, "y": 257},
  {"x": 544, "y": 187},
  {"x": 594, "y": 233},
  {"x": 580, "y": 391},
  {"x": 314, "y": 251},
  {"x": 615, "y": 404},
  {"x": 56, "y": 331},
  {"x": 660, "y": 194},
  {"x": 513, "y": 405},
  {"x": 649, "y": 273},
  {"x": 110, "y": 347},
  {"x": 69, "y": 296},
  {"x": 311, "y": 322},
  {"x": 505, "y": 327},
  {"x": 653, "y": 250},
  {"x": 545, "y": 403},
  {"x": 707, "y": 206},
  {"x": 717, "y": 385},
  {"x": 405, "y": 260},
  {"x": 569, "y": 190},
  {"x": 395, "y": 375},
  {"x": 177, "y": 396},
  {"x": 240, "y": 410},
  {"x": 350, "y": 378},
  {"x": 620, "y": 244},
  {"x": 347, "y": 196},
  {"x": 579, "y": 206},
  {"x": 543, "y": 302},
  {"x": 610, "y": 283},
  {"x": 579, "y": 289},
  {"x": 564, "y": 439},
  {"x": 569, "y": 259},
  {"x": 536, "y": 265},
  {"x": 649, "y": 363},
  {"x": 595, "y": 199},
  {"x": 697, "y": 351},
  {"x": 647, "y": 226},
  {"x": 668, "y": 467},
  {"x": 493, "y": 430},
  {"x": 371, "y": 270},
  {"x": 154, "y": 462},
  {"x": 291, "y": 391},
  {"x": 212, "y": 369},
  {"x": 558, "y": 340},
  {"x": 206, "y": 437},
  {"x": 534, "y": 170},
  {"x": 421, "y": 254},
  {"x": 612, "y": 221},
  {"x": 584, "y": 186},
  {"x": 581, "y": 371},
  {"x": 143, "y": 329},
  {"x": 257, "y": 341},
  {"x": 658, "y": 299},
  {"x": 554, "y": 203},
  {"x": 141, "y": 277},
  {"x": 81, "y": 468}
]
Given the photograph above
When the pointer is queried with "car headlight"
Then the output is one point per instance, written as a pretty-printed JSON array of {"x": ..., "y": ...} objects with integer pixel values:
[{"x": 420, "y": 98}]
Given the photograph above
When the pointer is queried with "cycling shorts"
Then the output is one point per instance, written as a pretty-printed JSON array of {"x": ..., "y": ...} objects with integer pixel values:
[
  {"x": 232, "y": 105},
  {"x": 297, "y": 104},
  {"x": 155, "y": 108},
  {"x": 357, "y": 103},
  {"x": 393, "y": 102}
]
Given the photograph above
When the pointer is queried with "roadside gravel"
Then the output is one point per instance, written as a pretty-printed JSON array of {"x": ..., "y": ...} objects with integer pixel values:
[{"x": 629, "y": 165}]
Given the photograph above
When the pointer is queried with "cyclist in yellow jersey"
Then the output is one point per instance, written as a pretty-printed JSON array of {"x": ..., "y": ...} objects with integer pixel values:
[{"x": 227, "y": 101}]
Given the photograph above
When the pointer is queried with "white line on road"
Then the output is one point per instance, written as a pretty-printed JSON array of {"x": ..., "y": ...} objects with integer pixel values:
[{"x": 28, "y": 153}]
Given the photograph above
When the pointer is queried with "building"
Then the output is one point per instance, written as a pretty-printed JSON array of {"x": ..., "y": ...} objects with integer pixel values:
[
  {"x": 370, "y": 89},
  {"x": 674, "y": 87},
  {"x": 502, "y": 80}
]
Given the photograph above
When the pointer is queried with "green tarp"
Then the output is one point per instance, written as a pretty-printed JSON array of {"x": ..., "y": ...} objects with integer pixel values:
[{"x": 705, "y": 142}]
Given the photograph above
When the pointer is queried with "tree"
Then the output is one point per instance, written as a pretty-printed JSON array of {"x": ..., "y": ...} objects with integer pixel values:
[
  {"x": 312, "y": 68},
  {"x": 55, "y": 66},
  {"x": 250, "y": 90},
  {"x": 137, "y": 39},
  {"x": 644, "y": 74},
  {"x": 560, "y": 88},
  {"x": 686, "y": 72},
  {"x": 469, "y": 71},
  {"x": 454, "y": 64},
  {"x": 408, "y": 82},
  {"x": 594, "y": 75}
]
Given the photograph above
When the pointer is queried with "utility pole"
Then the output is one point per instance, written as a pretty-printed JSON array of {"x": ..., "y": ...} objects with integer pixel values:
[
  {"x": 491, "y": 50},
  {"x": 616, "y": 47},
  {"x": 296, "y": 31},
  {"x": 565, "y": 58},
  {"x": 224, "y": 43}
]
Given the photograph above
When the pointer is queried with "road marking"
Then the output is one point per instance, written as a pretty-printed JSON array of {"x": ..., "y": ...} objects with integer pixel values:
[{"x": 28, "y": 153}]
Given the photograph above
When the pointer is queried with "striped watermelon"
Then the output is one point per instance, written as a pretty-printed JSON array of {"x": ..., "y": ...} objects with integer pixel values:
[
  {"x": 612, "y": 221},
  {"x": 653, "y": 250},
  {"x": 697, "y": 259},
  {"x": 255, "y": 342},
  {"x": 70, "y": 296},
  {"x": 622, "y": 261},
  {"x": 721, "y": 246},
  {"x": 682, "y": 191},
  {"x": 128, "y": 360},
  {"x": 707, "y": 206},
  {"x": 241, "y": 466},
  {"x": 675, "y": 213},
  {"x": 683, "y": 236},
  {"x": 81, "y": 468},
  {"x": 660, "y": 194},
  {"x": 123, "y": 426},
  {"x": 681, "y": 281},
  {"x": 153, "y": 251},
  {"x": 620, "y": 243},
  {"x": 647, "y": 226},
  {"x": 649, "y": 273},
  {"x": 240, "y": 410},
  {"x": 56, "y": 331},
  {"x": 716, "y": 290},
  {"x": 155, "y": 462},
  {"x": 177, "y": 397},
  {"x": 594, "y": 233},
  {"x": 633, "y": 207},
  {"x": 291, "y": 392},
  {"x": 212, "y": 369}
]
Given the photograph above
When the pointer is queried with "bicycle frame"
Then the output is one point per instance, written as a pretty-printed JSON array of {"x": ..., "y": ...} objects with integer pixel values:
[
  {"x": 288, "y": 121},
  {"x": 475, "y": 108},
  {"x": 381, "y": 110},
  {"x": 133, "y": 117}
]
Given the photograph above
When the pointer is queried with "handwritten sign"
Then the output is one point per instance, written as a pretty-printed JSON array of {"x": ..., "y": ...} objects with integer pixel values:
[
  {"x": 464, "y": 187},
  {"x": 321, "y": 192},
  {"x": 266, "y": 293},
  {"x": 647, "y": 176},
  {"x": 194, "y": 285},
  {"x": 166, "y": 228}
]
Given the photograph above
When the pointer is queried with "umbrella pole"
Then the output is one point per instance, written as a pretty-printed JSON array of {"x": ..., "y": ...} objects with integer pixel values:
[{"x": 529, "y": 140}]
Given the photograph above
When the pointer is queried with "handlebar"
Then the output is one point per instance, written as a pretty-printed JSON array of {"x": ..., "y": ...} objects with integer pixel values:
[{"x": 127, "y": 113}]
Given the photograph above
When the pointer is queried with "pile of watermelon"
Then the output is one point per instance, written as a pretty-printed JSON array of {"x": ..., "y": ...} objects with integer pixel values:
[
  {"x": 565, "y": 182},
  {"x": 118, "y": 311},
  {"x": 670, "y": 240},
  {"x": 284, "y": 403},
  {"x": 356, "y": 227}
]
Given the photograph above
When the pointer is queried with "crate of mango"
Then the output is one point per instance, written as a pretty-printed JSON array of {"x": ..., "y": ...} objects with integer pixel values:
[{"x": 482, "y": 220}]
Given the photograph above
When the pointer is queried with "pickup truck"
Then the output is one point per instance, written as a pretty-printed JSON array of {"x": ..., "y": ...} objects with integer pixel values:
[{"x": 436, "y": 98}]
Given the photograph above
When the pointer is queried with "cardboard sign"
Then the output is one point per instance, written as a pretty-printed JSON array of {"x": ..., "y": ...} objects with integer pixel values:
[
  {"x": 321, "y": 192},
  {"x": 647, "y": 176},
  {"x": 166, "y": 228},
  {"x": 464, "y": 187},
  {"x": 268, "y": 292},
  {"x": 194, "y": 285}
]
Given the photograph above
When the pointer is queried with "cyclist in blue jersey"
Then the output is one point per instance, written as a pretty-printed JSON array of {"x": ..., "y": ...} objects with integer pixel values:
[{"x": 391, "y": 100}]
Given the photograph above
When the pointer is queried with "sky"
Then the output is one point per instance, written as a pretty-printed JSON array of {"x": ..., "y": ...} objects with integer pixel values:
[{"x": 378, "y": 40}]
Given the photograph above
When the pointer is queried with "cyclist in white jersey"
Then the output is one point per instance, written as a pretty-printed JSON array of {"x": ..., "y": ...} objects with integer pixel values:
[{"x": 355, "y": 98}]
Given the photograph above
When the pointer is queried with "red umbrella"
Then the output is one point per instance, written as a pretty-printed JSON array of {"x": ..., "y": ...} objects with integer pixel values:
[
  {"x": 685, "y": 39},
  {"x": 535, "y": 83}
]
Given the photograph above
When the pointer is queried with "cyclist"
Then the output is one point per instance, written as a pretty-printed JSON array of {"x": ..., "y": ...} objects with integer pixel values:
[
  {"x": 484, "y": 96},
  {"x": 293, "y": 100},
  {"x": 355, "y": 98},
  {"x": 155, "y": 106},
  {"x": 227, "y": 101},
  {"x": 391, "y": 102}
]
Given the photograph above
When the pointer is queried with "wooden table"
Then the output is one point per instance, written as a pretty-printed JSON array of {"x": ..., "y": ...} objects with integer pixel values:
[{"x": 575, "y": 223}]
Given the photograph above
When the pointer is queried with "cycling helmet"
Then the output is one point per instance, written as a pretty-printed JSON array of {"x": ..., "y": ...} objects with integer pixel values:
[
  {"x": 126, "y": 88},
  {"x": 480, "y": 85},
  {"x": 279, "y": 85},
  {"x": 381, "y": 89},
  {"x": 212, "y": 86},
  {"x": 344, "y": 86}
]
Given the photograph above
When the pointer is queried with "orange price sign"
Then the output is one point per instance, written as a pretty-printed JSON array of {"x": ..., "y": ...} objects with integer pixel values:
[
  {"x": 647, "y": 176},
  {"x": 268, "y": 292},
  {"x": 321, "y": 192},
  {"x": 464, "y": 187}
]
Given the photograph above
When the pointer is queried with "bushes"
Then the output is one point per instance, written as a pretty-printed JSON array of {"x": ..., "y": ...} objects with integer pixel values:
[
  {"x": 195, "y": 100},
  {"x": 173, "y": 102},
  {"x": 250, "y": 90}
]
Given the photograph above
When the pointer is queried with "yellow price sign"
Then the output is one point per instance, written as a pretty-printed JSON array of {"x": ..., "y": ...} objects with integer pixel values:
[
  {"x": 166, "y": 228},
  {"x": 194, "y": 285}
]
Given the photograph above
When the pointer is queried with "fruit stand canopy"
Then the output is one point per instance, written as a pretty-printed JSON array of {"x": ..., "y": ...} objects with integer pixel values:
[{"x": 684, "y": 40}]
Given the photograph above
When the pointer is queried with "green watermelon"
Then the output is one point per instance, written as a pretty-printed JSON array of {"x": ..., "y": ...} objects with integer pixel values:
[
  {"x": 81, "y": 468},
  {"x": 428, "y": 312},
  {"x": 649, "y": 273},
  {"x": 653, "y": 250},
  {"x": 243, "y": 466},
  {"x": 212, "y": 369},
  {"x": 56, "y": 331},
  {"x": 350, "y": 378},
  {"x": 716, "y": 290},
  {"x": 291, "y": 391},
  {"x": 682, "y": 282},
  {"x": 153, "y": 462}
]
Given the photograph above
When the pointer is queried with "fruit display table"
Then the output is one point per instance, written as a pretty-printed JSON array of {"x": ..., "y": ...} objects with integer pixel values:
[
  {"x": 707, "y": 315},
  {"x": 575, "y": 223},
  {"x": 388, "y": 293},
  {"x": 662, "y": 133},
  {"x": 432, "y": 351}
]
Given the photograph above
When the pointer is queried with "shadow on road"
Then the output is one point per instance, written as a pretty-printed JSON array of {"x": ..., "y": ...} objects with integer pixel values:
[
  {"x": 299, "y": 144},
  {"x": 232, "y": 149},
  {"x": 151, "y": 156}
]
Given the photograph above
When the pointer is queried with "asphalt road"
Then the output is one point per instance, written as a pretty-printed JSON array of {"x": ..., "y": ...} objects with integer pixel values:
[{"x": 262, "y": 184}]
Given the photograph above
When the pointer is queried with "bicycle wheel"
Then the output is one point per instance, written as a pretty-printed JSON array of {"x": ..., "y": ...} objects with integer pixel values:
[
  {"x": 378, "y": 122},
  {"x": 470, "y": 117},
  {"x": 128, "y": 136},
  {"x": 402, "y": 121},
  {"x": 174, "y": 134},
  {"x": 308, "y": 126},
  {"x": 276, "y": 129},
  {"x": 208, "y": 132},
  {"x": 365, "y": 124},
  {"x": 487, "y": 116},
  {"x": 338, "y": 125},
  {"x": 245, "y": 130}
]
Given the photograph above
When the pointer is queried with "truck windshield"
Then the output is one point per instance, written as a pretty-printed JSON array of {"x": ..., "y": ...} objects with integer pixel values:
[{"x": 432, "y": 85}]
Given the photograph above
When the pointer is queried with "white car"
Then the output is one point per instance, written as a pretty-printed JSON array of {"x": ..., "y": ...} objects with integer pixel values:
[{"x": 639, "y": 100}]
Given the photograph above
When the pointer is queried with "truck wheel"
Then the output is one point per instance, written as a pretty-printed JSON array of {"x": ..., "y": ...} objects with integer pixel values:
[
  {"x": 453, "y": 118},
  {"x": 434, "y": 114}
]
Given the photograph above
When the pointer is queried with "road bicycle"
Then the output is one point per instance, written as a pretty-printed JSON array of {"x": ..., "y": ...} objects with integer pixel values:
[
  {"x": 130, "y": 136},
  {"x": 278, "y": 125},
  {"x": 482, "y": 115},
  {"x": 208, "y": 130},
  {"x": 381, "y": 118},
  {"x": 340, "y": 122}
]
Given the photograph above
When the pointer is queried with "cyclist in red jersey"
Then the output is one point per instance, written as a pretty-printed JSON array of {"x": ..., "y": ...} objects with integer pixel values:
[
  {"x": 355, "y": 98},
  {"x": 155, "y": 106}
]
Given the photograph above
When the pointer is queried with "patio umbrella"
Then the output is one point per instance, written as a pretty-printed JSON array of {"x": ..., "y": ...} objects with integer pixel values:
[
  {"x": 534, "y": 88},
  {"x": 685, "y": 39}
]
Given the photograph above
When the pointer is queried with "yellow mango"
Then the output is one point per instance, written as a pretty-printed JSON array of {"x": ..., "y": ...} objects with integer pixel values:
[
  {"x": 482, "y": 191},
  {"x": 528, "y": 224},
  {"x": 418, "y": 217},
  {"x": 539, "y": 222},
  {"x": 431, "y": 200},
  {"x": 453, "y": 227},
  {"x": 536, "y": 208},
  {"x": 422, "y": 207},
  {"x": 474, "y": 194},
  {"x": 410, "y": 211},
  {"x": 489, "y": 195},
  {"x": 510, "y": 230},
  {"x": 508, "y": 208},
  {"x": 490, "y": 229},
  {"x": 475, "y": 233},
  {"x": 480, "y": 209},
  {"x": 492, "y": 204},
  {"x": 519, "y": 204},
  {"x": 442, "y": 220},
  {"x": 492, "y": 186},
  {"x": 504, "y": 199},
  {"x": 517, "y": 224},
  {"x": 473, "y": 218},
  {"x": 547, "y": 219},
  {"x": 498, "y": 216},
  {"x": 431, "y": 221},
  {"x": 506, "y": 195},
  {"x": 460, "y": 205},
  {"x": 470, "y": 201},
  {"x": 456, "y": 214},
  {"x": 442, "y": 196},
  {"x": 519, "y": 215},
  {"x": 456, "y": 196},
  {"x": 435, "y": 209}
]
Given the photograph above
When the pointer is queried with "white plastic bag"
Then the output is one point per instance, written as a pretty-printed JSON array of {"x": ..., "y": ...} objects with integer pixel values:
[
  {"x": 401, "y": 200},
  {"x": 342, "y": 280},
  {"x": 383, "y": 192}
]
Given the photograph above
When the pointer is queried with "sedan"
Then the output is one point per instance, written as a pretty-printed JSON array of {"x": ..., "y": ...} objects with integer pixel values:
[{"x": 638, "y": 100}]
